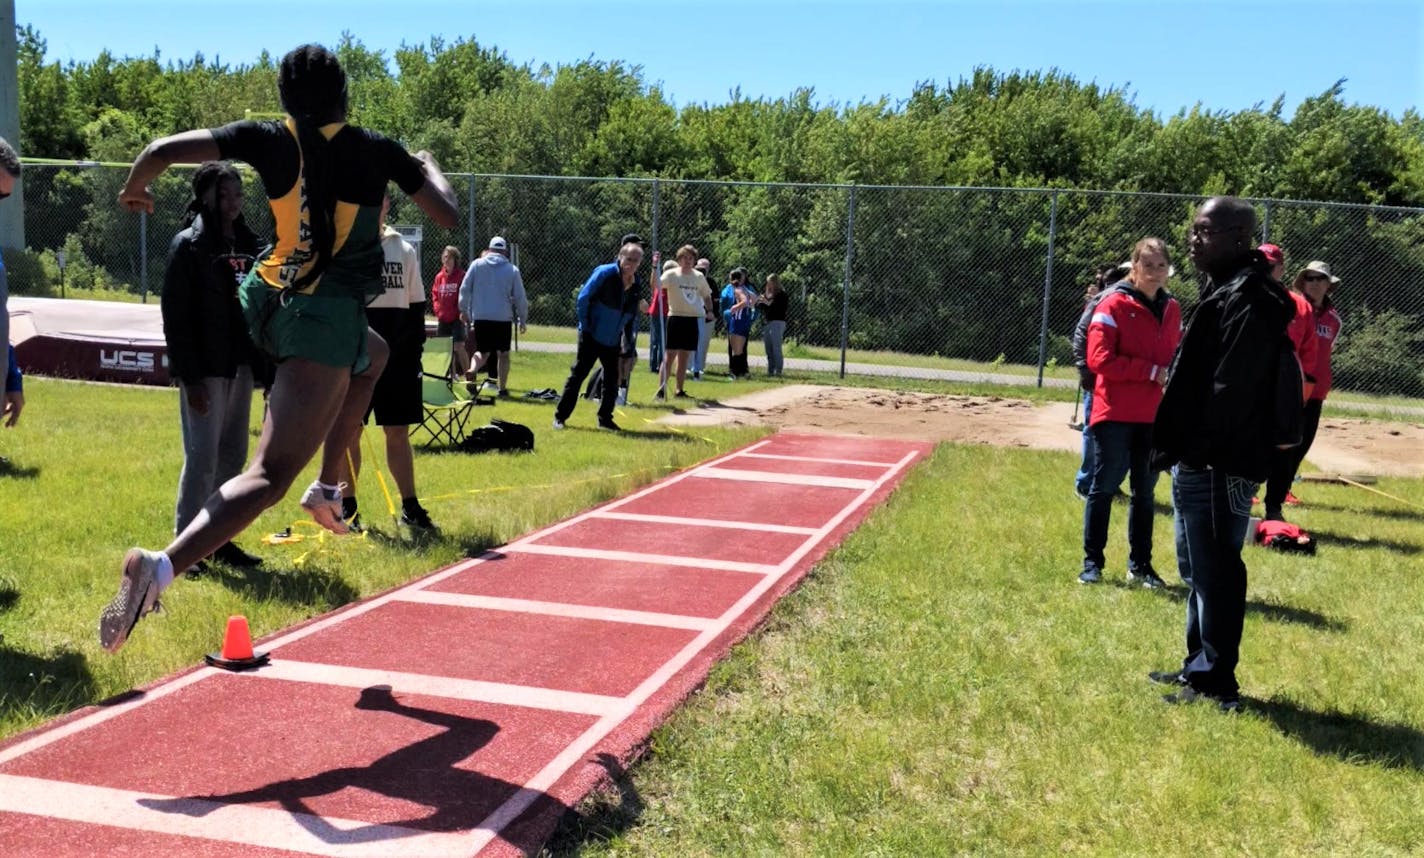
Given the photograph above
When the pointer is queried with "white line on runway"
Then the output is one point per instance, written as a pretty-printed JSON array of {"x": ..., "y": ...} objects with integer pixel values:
[{"x": 558, "y": 609}]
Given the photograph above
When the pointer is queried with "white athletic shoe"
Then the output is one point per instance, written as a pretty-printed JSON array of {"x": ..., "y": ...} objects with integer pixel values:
[
  {"x": 622, "y": 396},
  {"x": 558, "y": 424},
  {"x": 137, "y": 596},
  {"x": 324, "y": 506}
]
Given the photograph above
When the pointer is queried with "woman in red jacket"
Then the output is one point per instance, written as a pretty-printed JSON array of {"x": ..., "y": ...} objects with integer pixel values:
[
  {"x": 1131, "y": 339},
  {"x": 1316, "y": 318},
  {"x": 445, "y": 294}
]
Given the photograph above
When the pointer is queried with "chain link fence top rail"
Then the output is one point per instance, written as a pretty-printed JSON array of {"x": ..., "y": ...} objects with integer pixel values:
[{"x": 928, "y": 282}]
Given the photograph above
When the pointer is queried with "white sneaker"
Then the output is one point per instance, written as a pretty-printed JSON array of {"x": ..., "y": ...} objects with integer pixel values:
[
  {"x": 558, "y": 424},
  {"x": 137, "y": 596},
  {"x": 622, "y": 396},
  {"x": 324, "y": 506}
]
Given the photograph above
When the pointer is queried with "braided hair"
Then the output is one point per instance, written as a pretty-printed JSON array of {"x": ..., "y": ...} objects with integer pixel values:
[
  {"x": 206, "y": 179},
  {"x": 312, "y": 87}
]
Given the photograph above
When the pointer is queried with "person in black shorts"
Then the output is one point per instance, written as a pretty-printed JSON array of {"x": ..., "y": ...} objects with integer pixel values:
[
  {"x": 398, "y": 316},
  {"x": 304, "y": 303},
  {"x": 492, "y": 299},
  {"x": 689, "y": 298}
]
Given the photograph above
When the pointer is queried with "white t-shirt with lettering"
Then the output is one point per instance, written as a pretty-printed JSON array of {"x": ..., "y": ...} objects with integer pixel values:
[{"x": 687, "y": 293}]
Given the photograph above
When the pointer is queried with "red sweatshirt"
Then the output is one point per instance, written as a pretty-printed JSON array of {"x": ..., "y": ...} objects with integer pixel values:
[
  {"x": 1129, "y": 349},
  {"x": 1327, "y": 330},
  {"x": 445, "y": 292},
  {"x": 1302, "y": 335}
]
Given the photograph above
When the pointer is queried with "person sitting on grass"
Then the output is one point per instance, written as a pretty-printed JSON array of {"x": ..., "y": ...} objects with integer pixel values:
[{"x": 304, "y": 303}]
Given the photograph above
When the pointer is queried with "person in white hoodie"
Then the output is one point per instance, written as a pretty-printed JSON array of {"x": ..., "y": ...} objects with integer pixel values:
[
  {"x": 492, "y": 300},
  {"x": 398, "y": 315}
]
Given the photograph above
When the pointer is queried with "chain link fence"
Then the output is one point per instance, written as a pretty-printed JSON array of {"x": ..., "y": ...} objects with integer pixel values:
[{"x": 952, "y": 283}]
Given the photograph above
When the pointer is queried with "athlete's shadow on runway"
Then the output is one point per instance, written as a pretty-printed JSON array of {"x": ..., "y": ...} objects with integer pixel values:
[{"x": 426, "y": 773}]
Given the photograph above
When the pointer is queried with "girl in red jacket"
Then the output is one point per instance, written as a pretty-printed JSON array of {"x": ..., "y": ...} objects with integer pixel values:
[
  {"x": 1131, "y": 339},
  {"x": 1317, "y": 318}
]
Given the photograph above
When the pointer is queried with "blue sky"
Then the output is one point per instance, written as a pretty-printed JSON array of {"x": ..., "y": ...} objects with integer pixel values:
[{"x": 1170, "y": 55}]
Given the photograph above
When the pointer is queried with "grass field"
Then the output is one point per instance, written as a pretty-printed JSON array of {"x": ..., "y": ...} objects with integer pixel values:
[
  {"x": 943, "y": 686},
  {"x": 939, "y": 685}
]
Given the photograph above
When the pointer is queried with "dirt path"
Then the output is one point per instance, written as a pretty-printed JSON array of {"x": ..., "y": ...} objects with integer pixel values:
[{"x": 1343, "y": 445}]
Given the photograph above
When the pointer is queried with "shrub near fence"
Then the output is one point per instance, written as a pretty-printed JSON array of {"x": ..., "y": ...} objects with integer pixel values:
[{"x": 978, "y": 274}]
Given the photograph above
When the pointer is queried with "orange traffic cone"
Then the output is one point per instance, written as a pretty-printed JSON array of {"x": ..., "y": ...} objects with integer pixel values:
[{"x": 237, "y": 651}]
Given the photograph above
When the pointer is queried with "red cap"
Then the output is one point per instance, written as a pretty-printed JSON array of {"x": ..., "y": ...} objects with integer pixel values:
[{"x": 1273, "y": 254}]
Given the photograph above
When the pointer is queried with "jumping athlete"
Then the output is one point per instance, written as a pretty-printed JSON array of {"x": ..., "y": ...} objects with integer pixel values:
[{"x": 304, "y": 303}]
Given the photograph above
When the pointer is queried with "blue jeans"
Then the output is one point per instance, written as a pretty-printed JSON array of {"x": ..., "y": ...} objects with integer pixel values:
[
  {"x": 1212, "y": 512},
  {"x": 656, "y": 326},
  {"x": 1084, "y": 480},
  {"x": 1124, "y": 449},
  {"x": 704, "y": 339},
  {"x": 772, "y": 333}
]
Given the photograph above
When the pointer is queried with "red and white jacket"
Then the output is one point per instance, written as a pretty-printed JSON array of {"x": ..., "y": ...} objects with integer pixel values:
[
  {"x": 1301, "y": 331},
  {"x": 1327, "y": 331},
  {"x": 1129, "y": 348}
]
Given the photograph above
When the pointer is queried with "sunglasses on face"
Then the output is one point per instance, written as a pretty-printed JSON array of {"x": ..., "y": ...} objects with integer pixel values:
[
  {"x": 1315, "y": 278},
  {"x": 1208, "y": 232}
]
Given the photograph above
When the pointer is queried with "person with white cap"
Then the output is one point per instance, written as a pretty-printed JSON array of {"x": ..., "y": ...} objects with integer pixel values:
[
  {"x": 492, "y": 300},
  {"x": 1311, "y": 290}
]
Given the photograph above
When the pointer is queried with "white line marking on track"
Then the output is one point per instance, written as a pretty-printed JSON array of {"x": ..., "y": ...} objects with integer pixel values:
[
  {"x": 635, "y": 557},
  {"x": 559, "y": 609},
  {"x": 579, "y": 748},
  {"x": 785, "y": 458},
  {"x": 612, "y": 505},
  {"x": 787, "y": 479},
  {"x": 439, "y": 686},
  {"x": 704, "y": 522},
  {"x": 272, "y": 828}
]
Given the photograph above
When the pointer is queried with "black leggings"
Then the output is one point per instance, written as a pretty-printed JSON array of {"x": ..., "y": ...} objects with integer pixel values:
[{"x": 1286, "y": 462}]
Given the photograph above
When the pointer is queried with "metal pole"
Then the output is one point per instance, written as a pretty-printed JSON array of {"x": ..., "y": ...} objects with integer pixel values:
[
  {"x": 1266, "y": 224},
  {"x": 657, "y": 205},
  {"x": 470, "y": 255},
  {"x": 1047, "y": 286},
  {"x": 845, "y": 289},
  {"x": 143, "y": 254}
]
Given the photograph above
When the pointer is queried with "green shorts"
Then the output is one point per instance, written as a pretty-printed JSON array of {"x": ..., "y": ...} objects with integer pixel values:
[{"x": 326, "y": 329}]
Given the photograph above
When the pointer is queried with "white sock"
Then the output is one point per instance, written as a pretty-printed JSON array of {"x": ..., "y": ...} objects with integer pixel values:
[
  {"x": 164, "y": 573},
  {"x": 329, "y": 491}
]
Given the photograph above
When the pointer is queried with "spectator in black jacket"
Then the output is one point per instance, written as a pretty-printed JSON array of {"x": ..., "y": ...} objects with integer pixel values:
[
  {"x": 1225, "y": 409},
  {"x": 209, "y": 350}
]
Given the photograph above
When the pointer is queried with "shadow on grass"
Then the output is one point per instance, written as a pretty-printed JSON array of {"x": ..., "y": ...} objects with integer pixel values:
[
  {"x": 1376, "y": 512},
  {"x": 611, "y": 808},
  {"x": 306, "y": 586},
  {"x": 10, "y": 470},
  {"x": 9, "y": 595},
  {"x": 43, "y": 686},
  {"x": 1325, "y": 537},
  {"x": 1273, "y": 611},
  {"x": 1353, "y": 738}
]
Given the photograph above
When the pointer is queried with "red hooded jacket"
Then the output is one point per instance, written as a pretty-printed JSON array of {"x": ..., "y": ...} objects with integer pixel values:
[
  {"x": 1129, "y": 348},
  {"x": 1307, "y": 344},
  {"x": 1327, "y": 330}
]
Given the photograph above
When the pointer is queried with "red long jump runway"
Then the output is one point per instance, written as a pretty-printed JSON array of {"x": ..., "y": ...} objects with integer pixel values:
[{"x": 464, "y": 713}]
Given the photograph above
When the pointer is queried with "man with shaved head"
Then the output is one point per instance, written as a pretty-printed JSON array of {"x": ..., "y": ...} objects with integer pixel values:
[{"x": 1225, "y": 409}]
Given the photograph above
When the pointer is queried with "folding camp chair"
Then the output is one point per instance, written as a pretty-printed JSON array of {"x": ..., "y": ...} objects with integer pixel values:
[{"x": 446, "y": 414}]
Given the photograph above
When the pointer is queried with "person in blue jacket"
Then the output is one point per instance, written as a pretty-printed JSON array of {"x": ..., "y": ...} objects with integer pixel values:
[
  {"x": 608, "y": 299},
  {"x": 14, "y": 390}
]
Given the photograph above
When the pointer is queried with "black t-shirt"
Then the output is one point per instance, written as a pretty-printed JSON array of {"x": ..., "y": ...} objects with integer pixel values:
[
  {"x": 776, "y": 310},
  {"x": 363, "y": 162}
]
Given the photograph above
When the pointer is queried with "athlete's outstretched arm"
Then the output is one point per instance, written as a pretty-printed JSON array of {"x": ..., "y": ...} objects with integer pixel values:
[
  {"x": 189, "y": 147},
  {"x": 436, "y": 198}
]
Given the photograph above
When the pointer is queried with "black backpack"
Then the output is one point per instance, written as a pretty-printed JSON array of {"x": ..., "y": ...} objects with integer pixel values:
[
  {"x": 594, "y": 388},
  {"x": 499, "y": 436}
]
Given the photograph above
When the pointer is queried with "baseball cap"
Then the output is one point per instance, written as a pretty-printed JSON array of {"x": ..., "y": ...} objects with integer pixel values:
[
  {"x": 1273, "y": 254},
  {"x": 498, "y": 243}
]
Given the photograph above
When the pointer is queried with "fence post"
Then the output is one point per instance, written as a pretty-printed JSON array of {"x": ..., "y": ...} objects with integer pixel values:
[
  {"x": 1047, "y": 285},
  {"x": 656, "y": 216},
  {"x": 143, "y": 254},
  {"x": 1266, "y": 224},
  {"x": 470, "y": 254},
  {"x": 845, "y": 290}
]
